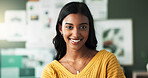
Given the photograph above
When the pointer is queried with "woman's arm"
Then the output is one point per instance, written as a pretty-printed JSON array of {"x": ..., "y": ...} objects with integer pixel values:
[{"x": 114, "y": 69}]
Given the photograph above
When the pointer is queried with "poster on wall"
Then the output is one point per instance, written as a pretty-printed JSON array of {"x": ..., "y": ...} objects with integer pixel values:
[
  {"x": 3, "y": 33},
  {"x": 33, "y": 10},
  {"x": 116, "y": 36},
  {"x": 98, "y": 8},
  {"x": 15, "y": 22},
  {"x": 40, "y": 12},
  {"x": 39, "y": 18},
  {"x": 15, "y": 16}
]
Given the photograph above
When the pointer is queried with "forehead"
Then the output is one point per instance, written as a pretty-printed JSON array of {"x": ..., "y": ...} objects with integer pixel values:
[{"x": 75, "y": 18}]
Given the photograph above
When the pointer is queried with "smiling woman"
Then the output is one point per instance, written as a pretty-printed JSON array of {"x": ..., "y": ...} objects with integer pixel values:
[
  {"x": 75, "y": 44},
  {"x": 73, "y": 8},
  {"x": 75, "y": 30}
]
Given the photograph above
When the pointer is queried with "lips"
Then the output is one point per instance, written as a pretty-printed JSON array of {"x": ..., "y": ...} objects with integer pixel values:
[{"x": 75, "y": 41}]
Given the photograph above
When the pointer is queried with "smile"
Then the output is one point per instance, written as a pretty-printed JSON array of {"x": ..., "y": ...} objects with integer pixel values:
[{"x": 75, "y": 41}]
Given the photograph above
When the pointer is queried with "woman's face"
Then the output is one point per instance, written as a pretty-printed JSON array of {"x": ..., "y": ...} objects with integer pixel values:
[{"x": 75, "y": 30}]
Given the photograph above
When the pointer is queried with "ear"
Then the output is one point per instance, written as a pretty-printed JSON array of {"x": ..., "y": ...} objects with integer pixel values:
[{"x": 60, "y": 29}]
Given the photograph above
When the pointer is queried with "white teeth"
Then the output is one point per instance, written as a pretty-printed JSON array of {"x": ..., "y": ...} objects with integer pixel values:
[{"x": 75, "y": 40}]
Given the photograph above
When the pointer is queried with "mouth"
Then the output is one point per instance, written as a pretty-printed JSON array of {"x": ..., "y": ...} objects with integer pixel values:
[{"x": 75, "y": 41}]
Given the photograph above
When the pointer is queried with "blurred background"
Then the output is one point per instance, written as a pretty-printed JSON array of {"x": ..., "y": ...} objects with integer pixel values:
[{"x": 27, "y": 28}]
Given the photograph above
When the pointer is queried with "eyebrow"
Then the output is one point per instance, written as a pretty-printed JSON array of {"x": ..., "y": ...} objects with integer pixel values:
[
  {"x": 79, "y": 24},
  {"x": 69, "y": 23},
  {"x": 83, "y": 23}
]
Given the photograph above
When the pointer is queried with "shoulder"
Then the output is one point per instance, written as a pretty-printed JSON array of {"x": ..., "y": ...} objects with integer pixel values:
[
  {"x": 106, "y": 56},
  {"x": 112, "y": 65},
  {"x": 105, "y": 53},
  {"x": 109, "y": 58},
  {"x": 50, "y": 65},
  {"x": 49, "y": 70}
]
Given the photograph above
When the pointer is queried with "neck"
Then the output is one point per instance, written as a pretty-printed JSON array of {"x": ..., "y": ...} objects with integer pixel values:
[{"x": 74, "y": 55}]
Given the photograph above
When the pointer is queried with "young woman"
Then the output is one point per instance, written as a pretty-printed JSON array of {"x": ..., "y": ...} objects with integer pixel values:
[{"x": 75, "y": 44}]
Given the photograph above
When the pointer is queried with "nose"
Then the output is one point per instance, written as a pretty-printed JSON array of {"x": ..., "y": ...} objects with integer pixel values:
[{"x": 76, "y": 33}]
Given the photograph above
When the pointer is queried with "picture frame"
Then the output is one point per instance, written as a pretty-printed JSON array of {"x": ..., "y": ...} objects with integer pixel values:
[{"x": 116, "y": 36}]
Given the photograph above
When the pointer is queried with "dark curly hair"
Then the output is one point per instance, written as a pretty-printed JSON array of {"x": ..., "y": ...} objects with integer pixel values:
[{"x": 74, "y": 8}]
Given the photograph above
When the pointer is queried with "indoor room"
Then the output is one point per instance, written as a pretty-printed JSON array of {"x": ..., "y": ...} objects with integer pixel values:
[{"x": 28, "y": 27}]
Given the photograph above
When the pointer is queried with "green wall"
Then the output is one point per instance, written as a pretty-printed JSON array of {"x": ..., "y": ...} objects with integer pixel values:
[{"x": 138, "y": 11}]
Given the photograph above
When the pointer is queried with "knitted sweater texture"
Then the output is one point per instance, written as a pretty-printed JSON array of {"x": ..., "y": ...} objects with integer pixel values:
[{"x": 103, "y": 65}]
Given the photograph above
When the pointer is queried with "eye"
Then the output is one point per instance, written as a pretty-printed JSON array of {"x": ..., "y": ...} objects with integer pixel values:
[
  {"x": 83, "y": 27},
  {"x": 69, "y": 27}
]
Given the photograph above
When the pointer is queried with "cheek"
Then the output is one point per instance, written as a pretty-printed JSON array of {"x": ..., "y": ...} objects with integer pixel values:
[
  {"x": 65, "y": 34},
  {"x": 63, "y": 31},
  {"x": 85, "y": 34}
]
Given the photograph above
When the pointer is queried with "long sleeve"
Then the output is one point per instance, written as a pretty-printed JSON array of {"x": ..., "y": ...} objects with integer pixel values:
[
  {"x": 114, "y": 69},
  {"x": 103, "y": 65}
]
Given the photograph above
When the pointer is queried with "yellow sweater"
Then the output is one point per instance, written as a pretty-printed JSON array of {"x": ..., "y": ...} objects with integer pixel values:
[{"x": 103, "y": 65}]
